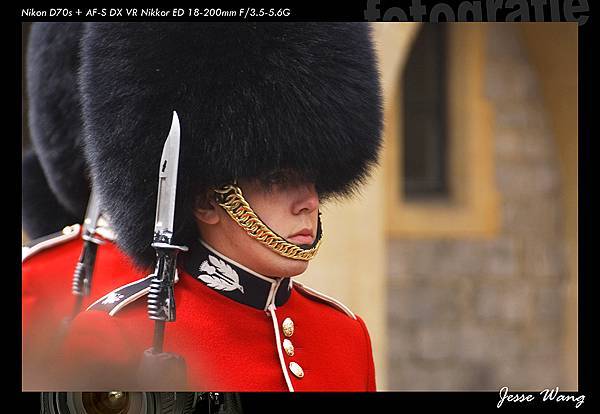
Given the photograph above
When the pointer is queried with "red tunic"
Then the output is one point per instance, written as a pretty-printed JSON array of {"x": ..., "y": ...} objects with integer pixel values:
[
  {"x": 230, "y": 332},
  {"x": 47, "y": 274}
]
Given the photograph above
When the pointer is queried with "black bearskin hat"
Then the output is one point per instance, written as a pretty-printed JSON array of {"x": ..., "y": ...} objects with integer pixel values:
[
  {"x": 252, "y": 98},
  {"x": 55, "y": 122},
  {"x": 42, "y": 213},
  {"x": 55, "y": 188}
]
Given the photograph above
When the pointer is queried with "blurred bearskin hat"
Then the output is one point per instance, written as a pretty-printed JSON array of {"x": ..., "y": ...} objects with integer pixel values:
[
  {"x": 42, "y": 213},
  {"x": 55, "y": 185},
  {"x": 252, "y": 99}
]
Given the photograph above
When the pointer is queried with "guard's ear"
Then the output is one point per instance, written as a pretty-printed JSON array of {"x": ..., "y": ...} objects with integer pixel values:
[{"x": 205, "y": 208}]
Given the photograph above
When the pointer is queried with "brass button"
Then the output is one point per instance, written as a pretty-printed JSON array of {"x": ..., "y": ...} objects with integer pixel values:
[
  {"x": 288, "y": 327},
  {"x": 296, "y": 370},
  {"x": 289, "y": 348}
]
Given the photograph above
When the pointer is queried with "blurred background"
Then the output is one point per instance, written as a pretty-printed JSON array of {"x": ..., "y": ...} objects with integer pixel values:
[{"x": 461, "y": 252}]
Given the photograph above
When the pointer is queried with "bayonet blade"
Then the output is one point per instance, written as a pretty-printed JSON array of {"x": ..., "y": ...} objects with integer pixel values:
[
  {"x": 167, "y": 183},
  {"x": 92, "y": 214}
]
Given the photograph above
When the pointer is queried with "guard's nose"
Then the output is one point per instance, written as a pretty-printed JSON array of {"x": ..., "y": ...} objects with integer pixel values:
[{"x": 307, "y": 199}]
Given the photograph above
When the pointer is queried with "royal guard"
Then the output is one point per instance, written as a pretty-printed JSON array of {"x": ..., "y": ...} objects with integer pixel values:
[
  {"x": 211, "y": 147},
  {"x": 55, "y": 196}
]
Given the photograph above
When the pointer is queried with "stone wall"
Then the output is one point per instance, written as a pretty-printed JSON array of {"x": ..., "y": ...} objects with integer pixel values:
[{"x": 482, "y": 314}]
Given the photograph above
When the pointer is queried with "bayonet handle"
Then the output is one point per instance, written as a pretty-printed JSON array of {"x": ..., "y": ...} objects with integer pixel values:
[
  {"x": 82, "y": 277},
  {"x": 161, "y": 297}
]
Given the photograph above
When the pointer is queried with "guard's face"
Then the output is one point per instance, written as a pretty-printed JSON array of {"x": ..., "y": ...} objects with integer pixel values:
[{"x": 289, "y": 209}]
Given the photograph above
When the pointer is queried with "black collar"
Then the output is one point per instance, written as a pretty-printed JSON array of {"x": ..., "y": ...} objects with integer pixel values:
[{"x": 233, "y": 280}]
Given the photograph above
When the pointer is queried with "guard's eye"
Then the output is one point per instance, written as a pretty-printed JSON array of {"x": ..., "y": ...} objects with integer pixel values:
[
  {"x": 282, "y": 179},
  {"x": 276, "y": 180},
  {"x": 273, "y": 179}
]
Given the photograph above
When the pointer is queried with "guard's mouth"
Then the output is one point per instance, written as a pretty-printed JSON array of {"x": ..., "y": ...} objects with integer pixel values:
[{"x": 303, "y": 237}]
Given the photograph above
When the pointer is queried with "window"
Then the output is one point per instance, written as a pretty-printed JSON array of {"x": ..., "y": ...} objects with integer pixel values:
[
  {"x": 439, "y": 157},
  {"x": 424, "y": 172}
]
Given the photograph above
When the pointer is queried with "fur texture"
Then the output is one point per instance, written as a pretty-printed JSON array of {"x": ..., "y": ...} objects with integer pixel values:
[
  {"x": 55, "y": 121},
  {"x": 42, "y": 213},
  {"x": 252, "y": 98}
]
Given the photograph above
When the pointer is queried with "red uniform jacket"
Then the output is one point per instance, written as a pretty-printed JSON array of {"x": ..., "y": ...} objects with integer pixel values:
[
  {"x": 236, "y": 329},
  {"x": 47, "y": 273}
]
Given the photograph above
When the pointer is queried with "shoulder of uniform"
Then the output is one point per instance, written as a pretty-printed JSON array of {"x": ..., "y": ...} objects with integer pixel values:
[
  {"x": 51, "y": 240},
  {"x": 117, "y": 299},
  {"x": 321, "y": 297}
]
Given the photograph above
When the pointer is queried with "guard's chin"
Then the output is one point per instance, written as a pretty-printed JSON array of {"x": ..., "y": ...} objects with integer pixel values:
[{"x": 291, "y": 267}]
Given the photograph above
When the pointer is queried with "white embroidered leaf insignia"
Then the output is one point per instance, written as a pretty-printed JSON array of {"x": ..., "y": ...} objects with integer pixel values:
[
  {"x": 112, "y": 298},
  {"x": 220, "y": 276},
  {"x": 205, "y": 267}
]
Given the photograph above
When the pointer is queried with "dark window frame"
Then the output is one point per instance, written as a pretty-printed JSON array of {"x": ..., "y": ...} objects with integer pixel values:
[{"x": 425, "y": 132}]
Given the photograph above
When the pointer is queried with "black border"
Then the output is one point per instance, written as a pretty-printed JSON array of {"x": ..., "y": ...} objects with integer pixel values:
[{"x": 397, "y": 401}]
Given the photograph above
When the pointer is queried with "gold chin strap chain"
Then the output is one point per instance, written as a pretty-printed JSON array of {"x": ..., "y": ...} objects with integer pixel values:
[{"x": 231, "y": 199}]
